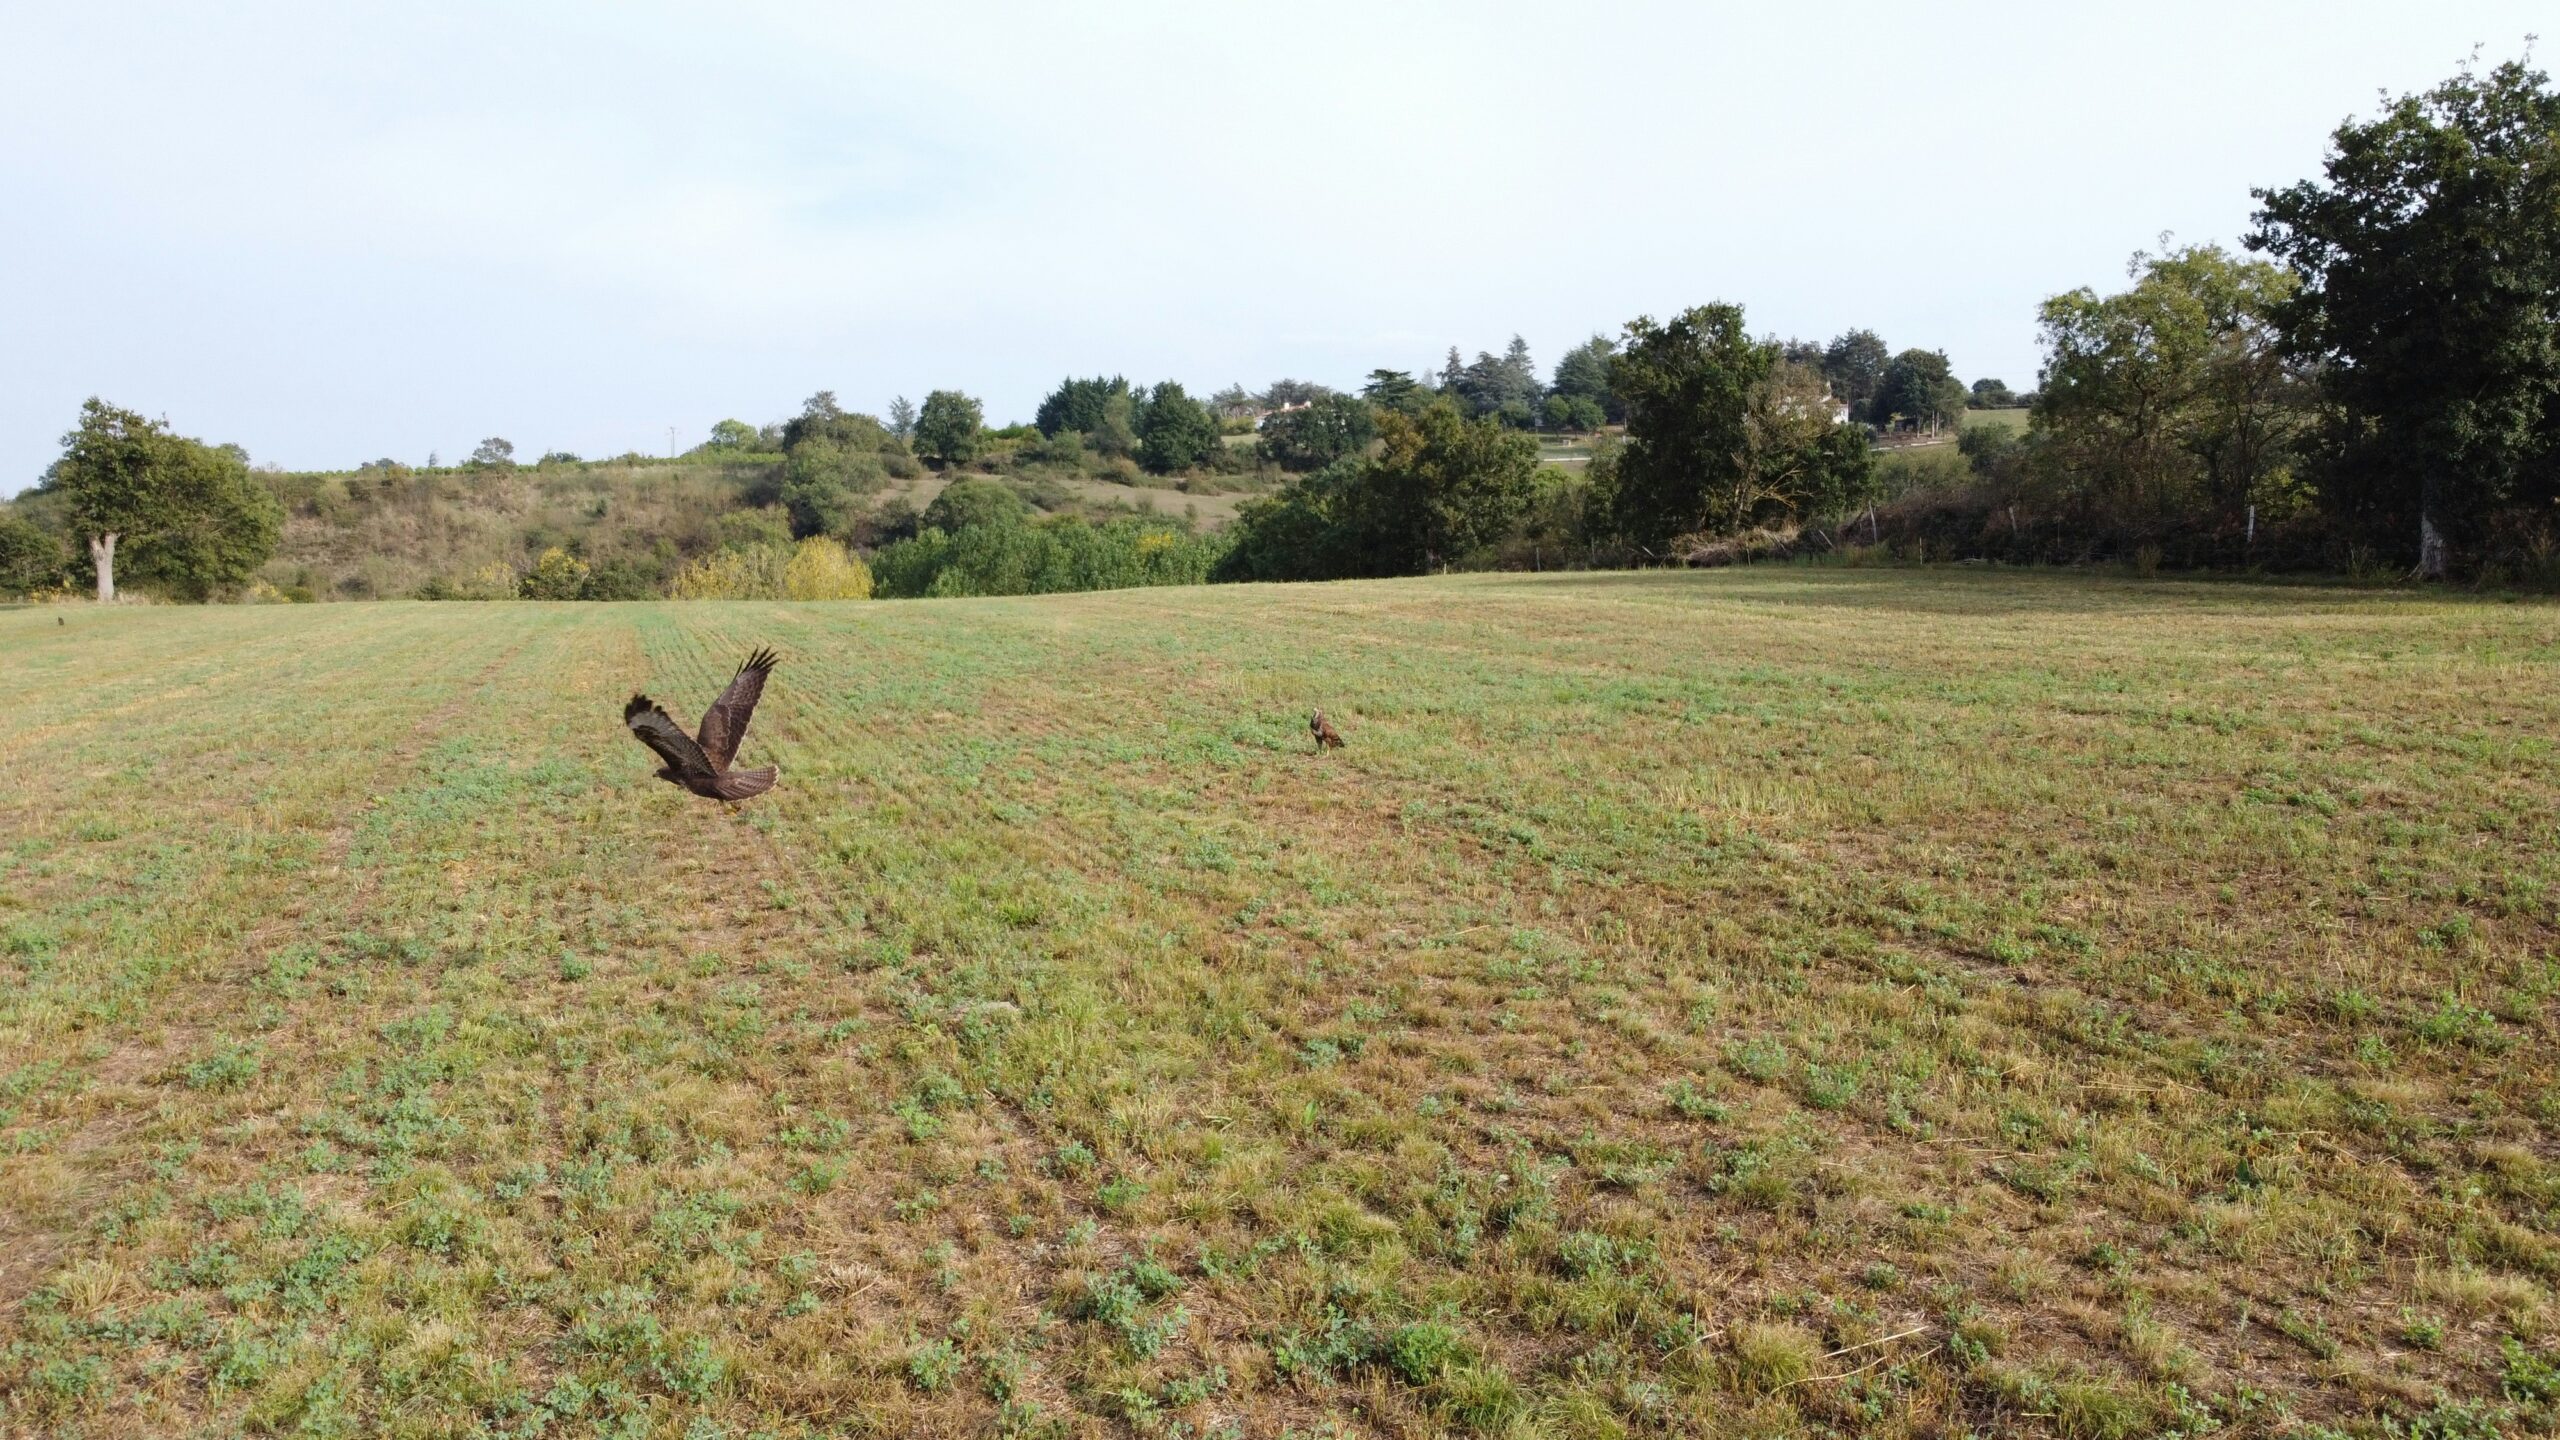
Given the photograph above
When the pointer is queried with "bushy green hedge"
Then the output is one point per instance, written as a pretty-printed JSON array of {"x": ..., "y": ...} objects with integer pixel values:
[{"x": 1043, "y": 558}]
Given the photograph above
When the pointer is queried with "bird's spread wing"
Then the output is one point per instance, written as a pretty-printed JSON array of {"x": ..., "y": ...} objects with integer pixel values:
[
  {"x": 725, "y": 723},
  {"x": 659, "y": 731}
]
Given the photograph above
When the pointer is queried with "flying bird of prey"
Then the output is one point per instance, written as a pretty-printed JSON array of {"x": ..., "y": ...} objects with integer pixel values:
[
  {"x": 702, "y": 765},
  {"x": 1327, "y": 737}
]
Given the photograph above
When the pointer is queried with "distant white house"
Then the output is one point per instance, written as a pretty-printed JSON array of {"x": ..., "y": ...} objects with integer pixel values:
[{"x": 1838, "y": 408}]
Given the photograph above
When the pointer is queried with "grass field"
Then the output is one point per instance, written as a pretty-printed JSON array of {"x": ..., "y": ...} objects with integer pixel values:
[
  {"x": 1571, "y": 453},
  {"x": 2014, "y": 418},
  {"x": 1775, "y": 1002}
]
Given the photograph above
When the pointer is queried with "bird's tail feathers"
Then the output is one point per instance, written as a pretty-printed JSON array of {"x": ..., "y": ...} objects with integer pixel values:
[{"x": 741, "y": 784}]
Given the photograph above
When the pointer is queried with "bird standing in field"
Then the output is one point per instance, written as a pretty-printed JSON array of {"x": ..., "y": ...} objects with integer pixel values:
[
  {"x": 702, "y": 765},
  {"x": 1327, "y": 737}
]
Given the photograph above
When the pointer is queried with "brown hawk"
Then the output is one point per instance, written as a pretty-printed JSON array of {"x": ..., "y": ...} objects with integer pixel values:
[
  {"x": 702, "y": 765},
  {"x": 1326, "y": 736}
]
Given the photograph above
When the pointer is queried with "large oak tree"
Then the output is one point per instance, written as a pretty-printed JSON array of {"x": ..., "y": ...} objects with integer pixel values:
[
  {"x": 947, "y": 428},
  {"x": 2429, "y": 254},
  {"x": 2174, "y": 395},
  {"x": 187, "y": 513}
]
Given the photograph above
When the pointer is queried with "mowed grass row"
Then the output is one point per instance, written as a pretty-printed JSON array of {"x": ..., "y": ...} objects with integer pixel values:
[{"x": 1785, "y": 1002}]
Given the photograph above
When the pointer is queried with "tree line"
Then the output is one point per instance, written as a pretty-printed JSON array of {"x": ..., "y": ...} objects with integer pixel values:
[
  {"x": 1721, "y": 431},
  {"x": 825, "y": 471},
  {"x": 2372, "y": 382}
]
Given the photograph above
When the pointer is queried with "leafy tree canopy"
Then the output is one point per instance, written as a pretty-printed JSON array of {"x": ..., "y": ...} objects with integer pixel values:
[
  {"x": 822, "y": 418},
  {"x": 824, "y": 480},
  {"x": 1573, "y": 412},
  {"x": 186, "y": 515},
  {"x": 1504, "y": 386},
  {"x": 1687, "y": 386},
  {"x": 1918, "y": 389},
  {"x": 30, "y": 558},
  {"x": 1448, "y": 485},
  {"x": 1854, "y": 365},
  {"x": 1293, "y": 392},
  {"x": 973, "y": 501},
  {"x": 1583, "y": 375},
  {"x": 947, "y": 428},
  {"x": 2173, "y": 394},
  {"x": 1079, "y": 405},
  {"x": 1319, "y": 432},
  {"x": 1394, "y": 390},
  {"x": 1797, "y": 462},
  {"x": 1175, "y": 432},
  {"x": 1723, "y": 434},
  {"x": 2429, "y": 254},
  {"x": 1441, "y": 486}
]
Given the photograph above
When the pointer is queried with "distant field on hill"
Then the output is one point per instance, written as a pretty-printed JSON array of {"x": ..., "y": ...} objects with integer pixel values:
[{"x": 1774, "y": 1002}]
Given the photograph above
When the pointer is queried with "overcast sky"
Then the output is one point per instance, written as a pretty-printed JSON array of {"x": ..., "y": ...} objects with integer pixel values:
[{"x": 330, "y": 232}]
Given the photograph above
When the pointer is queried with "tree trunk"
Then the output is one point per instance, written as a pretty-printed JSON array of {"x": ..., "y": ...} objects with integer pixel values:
[
  {"x": 102, "y": 551},
  {"x": 2430, "y": 548}
]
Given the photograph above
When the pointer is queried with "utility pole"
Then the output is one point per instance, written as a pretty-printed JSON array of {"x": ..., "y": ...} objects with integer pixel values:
[{"x": 671, "y": 442}]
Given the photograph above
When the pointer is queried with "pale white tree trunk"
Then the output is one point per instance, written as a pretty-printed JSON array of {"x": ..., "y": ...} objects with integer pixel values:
[
  {"x": 102, "y": 550},
  {"x": 2430, "y": 549}
]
